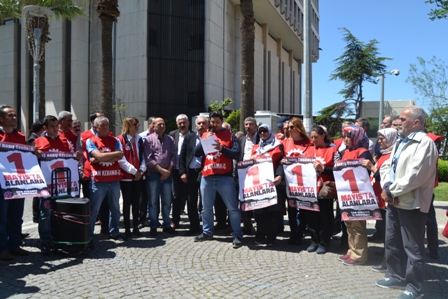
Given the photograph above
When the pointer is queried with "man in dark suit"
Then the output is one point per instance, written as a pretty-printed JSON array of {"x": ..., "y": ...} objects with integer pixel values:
[
  {"x": 189, "y": 170},
  {"x": 179, "y": 187},
  {"x": 246, "y": 144}
]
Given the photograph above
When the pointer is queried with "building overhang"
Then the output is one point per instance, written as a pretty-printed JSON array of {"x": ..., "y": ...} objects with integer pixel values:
[{"x": 266, "y": 12}]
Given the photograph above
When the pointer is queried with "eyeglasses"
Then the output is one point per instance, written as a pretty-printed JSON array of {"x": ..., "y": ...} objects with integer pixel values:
[
  {"x": 262, "y": 131},
  {"x": 291, "y": 127}
]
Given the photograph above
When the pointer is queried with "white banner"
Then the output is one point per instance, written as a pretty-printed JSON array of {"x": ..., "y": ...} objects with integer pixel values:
[
  {"x": 356, "y": 198},
  {"x": 301, "y": 179},
  {"x": 50, "y": 161},
  {"x": 20, "y": 173},
  {"x": 257, "y": 189}
]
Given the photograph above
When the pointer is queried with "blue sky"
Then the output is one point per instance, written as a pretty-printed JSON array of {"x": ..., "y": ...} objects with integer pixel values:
[{"x": 403, "y": 30}]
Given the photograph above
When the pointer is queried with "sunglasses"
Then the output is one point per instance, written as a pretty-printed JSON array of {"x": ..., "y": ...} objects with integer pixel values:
[
  {"x": 291, "y": 127},
  {"x": 262, "y": 131}
]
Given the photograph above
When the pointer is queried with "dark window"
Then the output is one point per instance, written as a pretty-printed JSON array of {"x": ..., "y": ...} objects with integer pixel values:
[
  {"x": 152, "y": 37},
  {"x": 196, "y": 42}
]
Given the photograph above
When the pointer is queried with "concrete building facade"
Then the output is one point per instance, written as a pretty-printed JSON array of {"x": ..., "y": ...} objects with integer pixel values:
[{"x": 170, "y": 57}]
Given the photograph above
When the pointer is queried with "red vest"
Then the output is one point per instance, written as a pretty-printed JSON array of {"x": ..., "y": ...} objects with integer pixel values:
[
  {"x": 218, "y": 163},
  {"x": 325, "y": 155},
  {"x": 293, "y": 148},
  {"x": 131, "y": 156},
  {"x": 46, "y": 144},
  {"x": 105, "y": 171},
  {"x": 14, "y": 137},
  {"x": 84, "y": 136},
  {"x": 275, "y": 153},
  {"x": 353, "y": 154},
  {"x": 376, "y": 185},
  {"x": 71, "y": 138}
]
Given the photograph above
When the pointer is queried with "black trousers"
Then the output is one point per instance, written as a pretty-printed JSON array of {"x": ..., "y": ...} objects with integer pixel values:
[
  {"x": 179, "y": 196},
  {"x": 404, "y": 247},
  {"x": 192, "y": 201},
  {"x": 321, "y": 223},
  {"x": 432, "y": 233},
  {"x": 131, "y": 192},
  {"x": 267, "y": 225}
]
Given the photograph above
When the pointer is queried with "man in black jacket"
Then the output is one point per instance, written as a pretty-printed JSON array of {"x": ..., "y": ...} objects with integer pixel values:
[
  {"x": 179, "y": 187},
  {"x": 189, "y": 171}
]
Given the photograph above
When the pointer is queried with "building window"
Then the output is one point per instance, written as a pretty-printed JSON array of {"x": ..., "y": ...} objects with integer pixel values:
[
  {"x": 152, "y": 38},
  {"x": 196, "y": 2},
  {"x": 196, "y": 42}
]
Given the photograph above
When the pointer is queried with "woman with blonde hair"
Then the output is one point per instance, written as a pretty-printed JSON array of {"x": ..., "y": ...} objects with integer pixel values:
[{"x": 133, "y": 167}]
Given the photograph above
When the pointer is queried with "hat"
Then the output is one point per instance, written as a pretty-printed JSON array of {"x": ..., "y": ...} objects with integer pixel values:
[{"x": 281, "y": 120}]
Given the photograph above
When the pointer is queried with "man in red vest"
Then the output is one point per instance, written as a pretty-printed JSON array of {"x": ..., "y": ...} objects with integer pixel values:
[
  {"x": 104, "y": 152},
  {"x": 11, "y": 211},
  {"x": 217, "y": 176}
]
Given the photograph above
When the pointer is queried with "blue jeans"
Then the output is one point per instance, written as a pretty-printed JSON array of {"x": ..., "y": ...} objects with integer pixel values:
[
  {"x": 156, "y": 188},
  {"x": 226, "y": 188},
  {"x": 98, "y": 191},
  {"x": 44, "y": 227},
  {"x": 11, "y": 212}
]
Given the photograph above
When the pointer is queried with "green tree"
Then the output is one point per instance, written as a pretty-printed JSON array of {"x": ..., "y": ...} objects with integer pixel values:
[
  {"x": 359, "y": 63},
  {"x": 333, "y": 116},
  {"x": 247, "y": 30},
  {"x": 219, "y": 106},
  {"x": 234, "y": 120},
  {"x": 108, "y": 13},
  {"x": 441, "y": 12},
  {"x": 62, "y": 9},
  {"x": 430, "y": 81}
]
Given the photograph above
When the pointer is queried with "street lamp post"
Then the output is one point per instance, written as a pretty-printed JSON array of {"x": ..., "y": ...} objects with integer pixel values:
[{"x": 381, "y": 112}]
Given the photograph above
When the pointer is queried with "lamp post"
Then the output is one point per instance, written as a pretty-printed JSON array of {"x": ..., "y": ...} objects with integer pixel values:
[
  {"x": 392, "y": 72},
  {"x": 34, "y": 18}
]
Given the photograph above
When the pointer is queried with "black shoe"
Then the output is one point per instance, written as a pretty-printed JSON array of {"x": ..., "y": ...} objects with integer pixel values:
[
  {"x": 141, "y": 225},
  {"x": 118, "y": 237},
  {"x": 137, "y": 232},
  {"x": 170, "y": 230},
  {"x": 259, "y": 242},
  {"x": 36, "y": 219},
  {"x": 25, "y": 235},
  {"x": 379, "y": 268},
  {"x": 192, "y": 232},
  {"x": 237, "y": 243},
  {"x": 153, "y": 232},
  {"x": 203, "y": 237},
  {"x": 128, "y": 234}
]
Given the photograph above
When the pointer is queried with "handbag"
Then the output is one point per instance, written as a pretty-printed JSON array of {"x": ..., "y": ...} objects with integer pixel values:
[{"x": 328, "y": 190}]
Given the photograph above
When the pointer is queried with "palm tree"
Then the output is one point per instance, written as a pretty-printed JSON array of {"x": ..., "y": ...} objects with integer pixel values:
[
  {"x": 108, "y": 13},
  {"x": 61, "y": 9},
  {"x": 247, "y": 60}
]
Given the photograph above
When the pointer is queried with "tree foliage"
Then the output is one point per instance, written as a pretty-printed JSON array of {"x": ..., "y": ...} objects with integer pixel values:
[
  {"x": 333, "y": 116},
  {"x": 219, "y": 106},
  {"x": 441, "y": 12},
  {"x": 361, "y": 62},
  {"x": 429, "y": 79}
]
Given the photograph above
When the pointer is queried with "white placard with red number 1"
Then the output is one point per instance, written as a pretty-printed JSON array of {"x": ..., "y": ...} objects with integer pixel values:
[{"x": 356, "y": 198}]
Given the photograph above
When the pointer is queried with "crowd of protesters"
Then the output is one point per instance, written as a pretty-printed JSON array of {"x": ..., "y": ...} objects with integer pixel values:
[{"x": 162, "y": 173}]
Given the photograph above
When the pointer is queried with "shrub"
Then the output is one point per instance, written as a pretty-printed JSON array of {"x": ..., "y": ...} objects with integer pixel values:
[{"x": 443, "y": 171}]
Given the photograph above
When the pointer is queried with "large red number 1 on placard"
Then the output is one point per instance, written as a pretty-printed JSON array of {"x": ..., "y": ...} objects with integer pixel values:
[
  {"x": 255, "y": 175},
  {"x": 297, "y": 170},
  {"x": 16, "y": 158},
  {"x": 59, "y": 164},
  {"x": 349, "y": 176}
]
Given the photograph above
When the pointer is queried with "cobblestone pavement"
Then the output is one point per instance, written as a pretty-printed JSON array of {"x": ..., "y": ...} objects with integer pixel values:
[{"x": 176, "y": 267}]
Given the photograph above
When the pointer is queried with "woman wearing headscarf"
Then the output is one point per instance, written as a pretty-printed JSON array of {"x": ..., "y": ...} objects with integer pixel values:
[
  {"x": 386, "y": 140},
  {"x": 297, "y": 145},
  {"x": 356, "y": 143},
  {"x": 320, "y": 223},
  {"x": 133, "y": 167},
  {"x": 267, "y": 218}
]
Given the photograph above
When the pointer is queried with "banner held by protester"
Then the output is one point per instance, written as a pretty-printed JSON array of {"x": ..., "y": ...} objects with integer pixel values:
[
  {"x": 356, "y": 198},
  {"x": 301, "y": 188},
  {"x": 50, "y": 161},
  {"x": 257, "y": 189}
]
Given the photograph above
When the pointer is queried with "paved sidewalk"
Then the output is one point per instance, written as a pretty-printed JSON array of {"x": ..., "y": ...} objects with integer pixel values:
[{"x": 176, "y": 267}]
